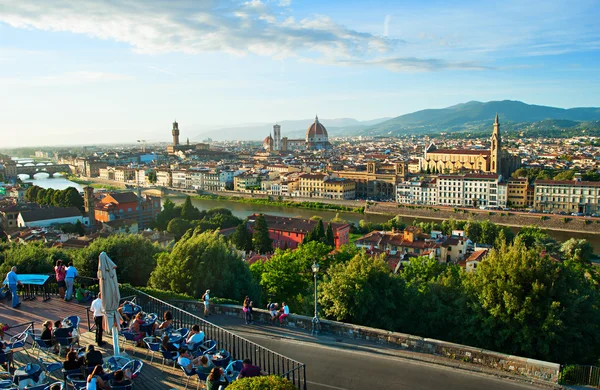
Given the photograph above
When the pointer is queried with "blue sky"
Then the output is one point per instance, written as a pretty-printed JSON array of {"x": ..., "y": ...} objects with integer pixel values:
[{"x": 91, "y": 71}]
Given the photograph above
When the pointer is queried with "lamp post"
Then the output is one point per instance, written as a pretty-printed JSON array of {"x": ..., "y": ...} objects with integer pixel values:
[{"x": 315, "y": 321}]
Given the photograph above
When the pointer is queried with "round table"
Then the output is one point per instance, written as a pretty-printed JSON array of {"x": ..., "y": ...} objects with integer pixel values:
[
  {"x": 175, "y": 338},
  {"x": 220, "y": 358},
  {"x": 33, "y": 373}
]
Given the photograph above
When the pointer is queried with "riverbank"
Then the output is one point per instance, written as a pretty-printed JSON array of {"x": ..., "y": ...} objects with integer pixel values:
[
  {"x": 97, "y": 183},
  {"x": 268, "y": 201}
]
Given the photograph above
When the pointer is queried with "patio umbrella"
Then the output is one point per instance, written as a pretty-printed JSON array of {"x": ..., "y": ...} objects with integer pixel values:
[{"x": 109, "y": 287}]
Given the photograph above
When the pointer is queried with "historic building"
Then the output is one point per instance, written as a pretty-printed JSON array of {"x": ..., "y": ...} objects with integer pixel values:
[
  {"x": 316, "y": 139},
  {"x": 493, "y": 160},
  {"x": 377, "y": 181},
  {"x": 567, "y": 196}
]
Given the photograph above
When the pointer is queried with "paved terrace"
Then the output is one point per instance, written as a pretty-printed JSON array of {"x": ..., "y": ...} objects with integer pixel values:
[{"x": 154, "y": 376}]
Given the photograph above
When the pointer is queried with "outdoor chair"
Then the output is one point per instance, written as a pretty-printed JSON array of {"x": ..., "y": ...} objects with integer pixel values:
[
  {"x": 19, "y": 342},
  {"x": 233, "y": 369},
  {"x": 128, "y": 386},
  {"x": 50, "y": 367},
  {"x": 189, "y": 375},
  {"x": 67, "y": 373},
  {"x": 129, "y": 337},
  {"x": 77, "y": 381},
  {"x": 153, "y": 346},
  {"x": 66, "y": 342},
  {"x": 48, "y": 387},
  {"x": 117, "y": 362},
  {"x": 208, "y": 346},
  {"x": 170, "y": 356},
  {"x": 135, "y": 366},
  {"x": 183, "y": 332},
  {"x": 43, "y": 386},
  {"x": 8, "y": 384},
  {"x": 42, "y": 345}
]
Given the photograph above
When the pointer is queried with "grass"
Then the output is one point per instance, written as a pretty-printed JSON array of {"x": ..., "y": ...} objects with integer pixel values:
[
  {"x": 77, "y": 180},
  {"x": 283, "y": 203},
  {"x": 354, "y": 237}
]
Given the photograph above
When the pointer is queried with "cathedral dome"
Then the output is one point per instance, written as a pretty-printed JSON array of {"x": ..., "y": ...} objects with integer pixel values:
[
  {"x": 268, "y": 143},
  {"x": 316, "y": 132}
]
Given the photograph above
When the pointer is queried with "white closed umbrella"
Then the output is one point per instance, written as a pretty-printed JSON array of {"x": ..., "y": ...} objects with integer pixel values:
[{"x": 109, "y": 287}]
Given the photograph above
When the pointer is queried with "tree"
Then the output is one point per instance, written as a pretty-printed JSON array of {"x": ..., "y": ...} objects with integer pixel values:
[
  {"x": 261, "y": 240},
  {"x": 565, "y": 175},
  {"x": 40, "y": 196},
  {"x": 361, "y": 291},
  {"x": 178, "y": 227},
  {"x": 579, "y": 250},
  {"x": 242, "y": 238},
  {"x": 72, "y": 198},
  {"x": 152, "y": 177},
  {"x": 79, "y": 228},
  {"x": 525, "y": 304},
  {"x": 133, "y": 254},
  {"x": 329, "y": 237},
  {"x": 31, "y": 193},
  {"x": 272, "y": 382},
  {"x": 201, "y": 261},
  {"x": 168, "y": 212},
  {"x": 473, "y": 231},
  {"x": 33, "y": 258},
  {"x": 534, "y": 237},
  {"x": 188, "y": 211}
]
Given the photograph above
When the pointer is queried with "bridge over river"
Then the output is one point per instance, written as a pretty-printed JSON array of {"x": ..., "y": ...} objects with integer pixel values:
[{"x": 50, "y": 168}]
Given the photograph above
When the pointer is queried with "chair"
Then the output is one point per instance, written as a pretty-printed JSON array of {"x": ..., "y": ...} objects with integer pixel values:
[
  {"x": 48, "y": 387},
  {"x": 77, "y": 381},
  {"x": 121, "y": 387},
  {"x": 117, "y": 362},
  {"x": 208, "y": 346},
  {"x": 67, "y": 373},
  {"x": 50, "y": 367},
  {"x": 43, "y": 386},
  {"x": 189, "y": 375},
  {"x": 19, "y": 342},
  {"x": 135, "y": 367},
  {"x": 170, "y": 356},
  {"x": 42, "y": 345},
  {"x": 8, "y": 384},
  {"x": 128, "y": 336},
  {"x": 66, "y": 342},
  {"x": 153, "y": 346},
  {"x": 183, "y": 332},
  {"x": 72, "y": 322}
]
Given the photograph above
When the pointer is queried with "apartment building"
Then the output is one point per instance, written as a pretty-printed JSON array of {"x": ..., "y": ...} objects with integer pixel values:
[
  {"x": 417, "y": 192},
  {"x": 181, "y": 179},
  {"x": 339, "y": 188},
  {"x": 312, "y": 185},
  {"x": 517, "y": 192},
  {"x": 567, "y": 196},
  {"x": 470, "y": 190}
]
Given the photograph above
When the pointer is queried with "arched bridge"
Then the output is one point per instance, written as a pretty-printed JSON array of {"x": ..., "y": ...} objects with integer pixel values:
[{"x": 49, "y": 168}]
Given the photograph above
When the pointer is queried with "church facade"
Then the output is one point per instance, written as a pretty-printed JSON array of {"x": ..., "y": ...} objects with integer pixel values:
[
  {"x": 494, "y": 160},
  {"x": 316, "y": 139}
]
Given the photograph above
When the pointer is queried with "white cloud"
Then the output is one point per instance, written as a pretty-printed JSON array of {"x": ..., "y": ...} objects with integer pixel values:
[
  {"x": 285, "y": 3},
  {"x": 245, "y": 28},
  {"x": 386, "y": 25}
]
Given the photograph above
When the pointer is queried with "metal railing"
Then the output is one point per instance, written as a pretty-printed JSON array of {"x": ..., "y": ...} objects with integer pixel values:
[
  {"x": 580, "y": 375},
  {"x": 239, "y": 347}
]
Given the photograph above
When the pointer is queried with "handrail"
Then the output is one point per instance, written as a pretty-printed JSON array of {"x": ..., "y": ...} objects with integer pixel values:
[{"x": 29, "y": 324}]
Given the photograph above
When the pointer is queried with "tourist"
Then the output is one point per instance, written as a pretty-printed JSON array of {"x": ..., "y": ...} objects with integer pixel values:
[
  {"x": 82, "y": 295},
  {"x": 285, "y": 311},
  {"x": 205, "y": 365},
  {"x": 195, "y": 337},
  {"x": 249, "y": 370},
  {"x": 206, "y": 299},
  {"x": 124, "y": 316},
  {"x": 216, "y": 379},
  {"x": 249, "y": 314},
  {"x": 167, "y": 323},
  {"x": 72, "y": 362},
  {"x": 96, "y": 308},
  {"x": 60, "y": 272},
  {"x": 185, "y": 361},
  {"x": 136, "y": 329},
  {"x": 166, "y": 344},
  {"x": 274, "y": 310},
  {"x": 92, "y": 357},
  {"x": 70, "y": 275},
  {"x": 47, "y": 336},
  {"x": 122, "y": 378},
  {"x": 94, "y": 380},
  {"x": 13, "y": 281},
  {"x": 245, "y": 309}
]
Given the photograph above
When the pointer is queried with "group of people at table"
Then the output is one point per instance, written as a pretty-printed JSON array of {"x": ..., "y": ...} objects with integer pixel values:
[{"x": 97, "y": 378}]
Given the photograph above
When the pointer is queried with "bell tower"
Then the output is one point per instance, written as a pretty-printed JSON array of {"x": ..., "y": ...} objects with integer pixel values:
[
  {"x": 175, "y": 133},
  {"x": 495, "y": 148}
]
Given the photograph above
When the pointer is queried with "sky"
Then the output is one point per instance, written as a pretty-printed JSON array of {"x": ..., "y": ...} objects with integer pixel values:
[{"x": 91, "y": 71}]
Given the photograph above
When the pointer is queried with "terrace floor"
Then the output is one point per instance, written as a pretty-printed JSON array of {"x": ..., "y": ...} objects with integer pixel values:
[{"x": 154, "y": 376}]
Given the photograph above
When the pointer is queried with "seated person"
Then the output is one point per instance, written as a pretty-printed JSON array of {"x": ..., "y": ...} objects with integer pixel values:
[
  {"x": 92, "y": 357},
  {"x": 167, "y": 345},
  {"x": 47, "y": 336},
  {"x": 249, "y": 370},
  {"x": 72, "y": 362},
  {"x": 121, "y": 378},
  {"x": 135, "y": 328},
  {"x": 195, "y": 337},
  {"x": 82, "y": 295},
  {"x": 64, "y": 334},
  {"x": 124, "y": 315},
  {"x": 185, "y": 360},
  {"x": 167, "y": 323},
  {"x": 274, "y": 310},
  {"x": 95, "y": 381},
  {"x": 216, "y": 379},
  {"x": 205, "y": 365}
]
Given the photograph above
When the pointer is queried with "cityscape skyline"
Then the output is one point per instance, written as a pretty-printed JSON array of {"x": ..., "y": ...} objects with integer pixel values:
[{"x": 81, "y": 73}]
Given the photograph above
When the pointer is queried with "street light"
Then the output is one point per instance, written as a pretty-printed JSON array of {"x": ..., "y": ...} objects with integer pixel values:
[{"x": 315, "y": 321}]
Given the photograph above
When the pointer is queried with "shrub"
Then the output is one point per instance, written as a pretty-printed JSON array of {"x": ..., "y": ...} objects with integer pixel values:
[
  {"x": 543, "y": 217},
  {"x": 587, "y": 221},
  {"x": 566, "y": 220},
  {"x": 271, "y": 382}
]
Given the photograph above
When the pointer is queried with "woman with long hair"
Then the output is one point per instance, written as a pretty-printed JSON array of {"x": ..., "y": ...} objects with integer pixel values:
[
  {"x": 167, "y": 323},
  {"x": 245, "y": 307},
  {"x": 216, "y": 379},
  {"x": 60, "y": 271},
  {"x": 136, "y": 328},
  {"x": 94, "y": 380}
]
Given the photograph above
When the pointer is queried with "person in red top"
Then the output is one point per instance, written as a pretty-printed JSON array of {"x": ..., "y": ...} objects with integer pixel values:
[
  {"x": 60, "y": 271},
  {"x": 249, "y": 370}
]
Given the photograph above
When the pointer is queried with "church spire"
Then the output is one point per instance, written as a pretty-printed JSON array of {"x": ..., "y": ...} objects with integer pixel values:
[
  {"x": 316, "y": 119},
  {"x": 496, "y": 119}
]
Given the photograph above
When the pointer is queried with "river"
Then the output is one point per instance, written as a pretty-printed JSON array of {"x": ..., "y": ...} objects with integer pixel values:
[
  {"x": 242, "y": 210},
  {"x": 58, "y": 183}
]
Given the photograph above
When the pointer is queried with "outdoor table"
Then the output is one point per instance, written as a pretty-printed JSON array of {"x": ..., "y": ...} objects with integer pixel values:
[
  {"x": 175, "y": 338},
  {"x": 29, "y": 280},
  {"x": 114, "y": 363},
  {"x": 33, "y": 373},
  {"x": 220, "y": 358}
]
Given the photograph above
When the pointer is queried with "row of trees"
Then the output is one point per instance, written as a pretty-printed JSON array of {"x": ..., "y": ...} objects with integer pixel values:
[
  {"x": 533, "y": 174},
  {"x": 50, "y": 197}
]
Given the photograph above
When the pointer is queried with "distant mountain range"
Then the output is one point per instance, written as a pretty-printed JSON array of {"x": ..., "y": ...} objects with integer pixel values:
[
  {"x": 471, "y": 116},
  {"x": 289, "y": 128}
]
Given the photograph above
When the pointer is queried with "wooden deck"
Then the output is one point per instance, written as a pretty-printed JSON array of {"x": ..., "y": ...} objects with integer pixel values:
[{"x": 154, "y": 376}]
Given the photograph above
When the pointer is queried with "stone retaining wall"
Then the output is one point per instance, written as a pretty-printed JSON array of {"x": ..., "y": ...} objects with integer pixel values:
[{"x": 530, "y": 368}]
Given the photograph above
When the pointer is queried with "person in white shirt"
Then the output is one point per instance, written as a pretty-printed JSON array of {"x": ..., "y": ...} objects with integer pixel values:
[
  {"x": 71, "y": 274},
  {"x": 206, "y": 299},
  {"x": 186, "y": 361},
  {"x": 195, "y": 337},
  {"x": 96, "y": 308}
]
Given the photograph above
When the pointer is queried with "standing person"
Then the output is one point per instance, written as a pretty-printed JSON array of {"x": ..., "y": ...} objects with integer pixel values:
[
  {"x": 13, "y": 281},
  {"x": 60, "y": 272},
  {"x": 245, "y": 309},
  {"x": 70, "y": 275},
  {"x": 206, "y": 299},
  {"x": 96, "y": 308},
  {"x": 285, "y": 311},
  {"x": 249, "y": 315}
]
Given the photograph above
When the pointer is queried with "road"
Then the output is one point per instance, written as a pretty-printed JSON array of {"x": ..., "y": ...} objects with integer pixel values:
[{"x": 334, "y": 368}]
